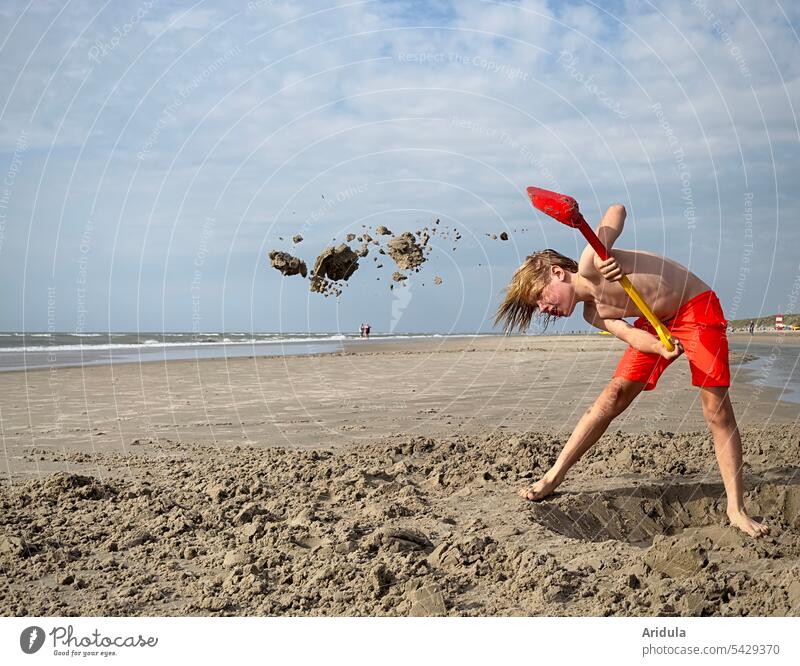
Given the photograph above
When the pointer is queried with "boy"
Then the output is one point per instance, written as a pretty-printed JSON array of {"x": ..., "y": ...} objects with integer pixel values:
[{"x": 553, "y": 284}]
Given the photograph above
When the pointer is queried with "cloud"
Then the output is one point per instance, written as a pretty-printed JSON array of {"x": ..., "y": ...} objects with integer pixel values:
[
  {"x": 249, "y": 113},
  {"x": 195, "y": 19}
]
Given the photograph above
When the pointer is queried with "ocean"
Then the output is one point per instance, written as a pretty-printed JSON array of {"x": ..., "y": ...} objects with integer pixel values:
[
  {"x": 20, "y": 351},
  {"x": 775, "y": 366}
]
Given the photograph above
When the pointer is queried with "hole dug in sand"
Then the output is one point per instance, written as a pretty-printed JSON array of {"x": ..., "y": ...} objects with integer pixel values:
[{"x": 637, "y": 515}]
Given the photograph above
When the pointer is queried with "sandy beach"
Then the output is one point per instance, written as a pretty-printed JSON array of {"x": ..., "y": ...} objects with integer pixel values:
[{"x": 382, "y": 481}]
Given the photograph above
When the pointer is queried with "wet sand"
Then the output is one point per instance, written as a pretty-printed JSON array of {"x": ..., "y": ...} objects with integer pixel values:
[{"x": 381, "y": 480}]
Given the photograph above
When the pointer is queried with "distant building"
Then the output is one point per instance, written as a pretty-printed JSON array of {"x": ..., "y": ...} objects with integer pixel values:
[{"x": 779, "y": 325}]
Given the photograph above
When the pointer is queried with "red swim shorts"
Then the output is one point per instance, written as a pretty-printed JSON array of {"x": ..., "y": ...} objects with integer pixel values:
[{"x": 700, "y": 326}]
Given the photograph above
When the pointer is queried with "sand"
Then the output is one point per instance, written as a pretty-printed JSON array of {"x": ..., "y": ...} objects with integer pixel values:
[
  {"x": 382, "y": 481},
  {"x": 405, "y": 251},
  {"x": 335, "y": 265},
  {"x": 287, "y": 264}
]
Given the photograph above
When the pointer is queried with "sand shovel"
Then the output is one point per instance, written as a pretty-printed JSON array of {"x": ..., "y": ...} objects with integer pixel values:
[{"x": 565, "y": 209}]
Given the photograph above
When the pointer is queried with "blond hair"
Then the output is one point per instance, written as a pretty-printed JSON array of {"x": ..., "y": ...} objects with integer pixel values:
[{"x": 519, "y": 304}]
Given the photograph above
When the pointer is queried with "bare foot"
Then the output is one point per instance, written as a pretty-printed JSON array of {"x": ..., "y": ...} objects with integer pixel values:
[
  {"x": 539, "y": 490},
  {"x": 745, "y": 523}
]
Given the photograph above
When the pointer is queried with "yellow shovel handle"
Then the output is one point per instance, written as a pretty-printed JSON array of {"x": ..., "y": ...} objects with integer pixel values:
[{"x": 663, "y": 332}]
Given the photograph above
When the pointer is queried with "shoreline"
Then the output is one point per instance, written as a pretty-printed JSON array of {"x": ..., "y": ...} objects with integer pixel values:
[
  {"x": 368, "y": 390},
  {"x": 88, "y": 357}
]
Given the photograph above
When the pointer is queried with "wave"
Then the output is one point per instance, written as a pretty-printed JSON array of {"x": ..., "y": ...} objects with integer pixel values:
[{"x": 151, "y": 344}]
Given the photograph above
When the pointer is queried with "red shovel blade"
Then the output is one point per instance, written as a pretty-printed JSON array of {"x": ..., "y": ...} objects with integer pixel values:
[
  {"x": 565, "y": 209},
  {"x": 559, "y": 206}
]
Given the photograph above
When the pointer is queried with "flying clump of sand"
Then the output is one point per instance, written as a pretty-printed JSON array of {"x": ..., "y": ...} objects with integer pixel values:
[
  {"x": 405, "y": 251},
  {"x": 287, "y": 264},
  {"x": 336, "y": 264}
]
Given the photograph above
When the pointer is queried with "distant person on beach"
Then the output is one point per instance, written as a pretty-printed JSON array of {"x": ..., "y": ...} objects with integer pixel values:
[
  {"x": 751, "y": 327},
  {"x": 550, "y": 285},
  {"x": 363, "y": 330},
  {"x": 367, "y": 329}
]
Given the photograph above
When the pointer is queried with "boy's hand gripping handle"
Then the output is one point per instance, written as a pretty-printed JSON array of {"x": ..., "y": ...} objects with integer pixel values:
[{"x": 565, "y": 209}]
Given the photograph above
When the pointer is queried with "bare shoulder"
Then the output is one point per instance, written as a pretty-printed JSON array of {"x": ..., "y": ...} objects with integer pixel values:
[{"x": 586, "y": 264}]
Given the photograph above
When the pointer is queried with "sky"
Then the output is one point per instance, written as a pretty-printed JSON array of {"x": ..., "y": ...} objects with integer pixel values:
[{"x": 152, "y": 153}]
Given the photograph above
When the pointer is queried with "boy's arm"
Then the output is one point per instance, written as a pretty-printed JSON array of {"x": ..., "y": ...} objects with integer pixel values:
[
  {"x": 611, "y": 225},
  {"x": 635, "y": 337},
  {"x": 608, "y": 231}
]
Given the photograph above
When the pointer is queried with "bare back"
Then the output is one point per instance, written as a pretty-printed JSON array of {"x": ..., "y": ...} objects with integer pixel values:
[{"x": 664, "y": 284}]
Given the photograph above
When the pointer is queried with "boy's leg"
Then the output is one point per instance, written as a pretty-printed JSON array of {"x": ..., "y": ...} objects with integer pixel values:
[
  {"x": 614, "y": 400},
  {"x": 721, "y": 421}
]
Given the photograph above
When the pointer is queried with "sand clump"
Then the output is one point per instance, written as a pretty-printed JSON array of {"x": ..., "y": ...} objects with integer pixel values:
[
  {"x": 405, "y": 251},
  {"x": 403, "y": 526},
  {"x": 287, "y": 264},
  {"x": 334, "y": 264}
]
